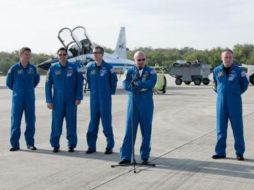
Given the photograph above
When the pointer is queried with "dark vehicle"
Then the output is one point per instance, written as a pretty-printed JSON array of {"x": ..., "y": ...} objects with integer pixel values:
[{"x": 188, "y": 72}]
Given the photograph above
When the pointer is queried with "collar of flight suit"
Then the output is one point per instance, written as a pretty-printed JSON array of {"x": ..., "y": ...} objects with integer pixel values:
[
  {"x": 61, "y": 66},
  {"x": 143, "y": 70},
  {"x": 21, "y": 66},
  {"x": 231, "y": 68},
  {"x": 100, "y": 66}
]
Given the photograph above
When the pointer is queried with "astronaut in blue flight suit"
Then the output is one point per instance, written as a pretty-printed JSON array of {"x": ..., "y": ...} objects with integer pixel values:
[
  {"x": 22, "y": 78},
  {"x": 66, "y": 82},
  {"x": 102, "y": 82},
  {"x": 230, "y": 82},
  {"x": 140, "y": 81}
]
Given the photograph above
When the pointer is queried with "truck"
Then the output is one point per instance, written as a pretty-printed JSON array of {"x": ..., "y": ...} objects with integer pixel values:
[
  {"x": 249, "y": 69},
  {"x": 187, "y": 72}
]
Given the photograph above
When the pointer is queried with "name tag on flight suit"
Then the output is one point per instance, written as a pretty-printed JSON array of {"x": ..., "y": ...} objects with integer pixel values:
[
  {"x": 103, "y": 71},
  {"x": 232, "y": 76},
  {"x": 30, "y": 71},
  {"x": 145, "y": 76},
  {"x": 69, "y": 72},
  {"x": 58, "y": 72},
  {"x": 20, "y": 71},
  {"x": 93, "y": 72}
]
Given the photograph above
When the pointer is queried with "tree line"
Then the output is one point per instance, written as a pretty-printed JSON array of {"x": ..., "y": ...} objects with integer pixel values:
[
  {"x": 243, "y": 53},
  {"x": 7, "y": 59}
]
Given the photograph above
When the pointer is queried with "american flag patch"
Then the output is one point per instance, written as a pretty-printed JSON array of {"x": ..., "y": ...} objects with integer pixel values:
[
  {"x": 152, "y": 72},
  {"x": 112, "y": 70},
  {"x": 243, "y": 74}
]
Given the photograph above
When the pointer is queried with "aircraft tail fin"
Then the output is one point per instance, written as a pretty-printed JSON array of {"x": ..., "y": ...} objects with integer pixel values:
[{"x": 121, "y": 50}]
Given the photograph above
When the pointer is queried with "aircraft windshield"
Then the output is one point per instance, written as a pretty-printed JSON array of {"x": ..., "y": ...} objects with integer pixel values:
[
  {"x": 76, "y": 40},
  {"x": 65, "y": 37}
]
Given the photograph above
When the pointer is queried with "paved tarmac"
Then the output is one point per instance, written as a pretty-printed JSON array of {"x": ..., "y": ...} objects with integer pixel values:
[{"x": 182, "y": 145}]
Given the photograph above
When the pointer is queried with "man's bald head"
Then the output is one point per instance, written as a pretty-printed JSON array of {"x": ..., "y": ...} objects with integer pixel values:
[
  {"x": 139, "y": 59},
  {"x": 139, "y": 53}
]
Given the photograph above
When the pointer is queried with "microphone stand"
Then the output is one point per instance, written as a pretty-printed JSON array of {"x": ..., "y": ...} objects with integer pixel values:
[{"x": 133, "y": 163}]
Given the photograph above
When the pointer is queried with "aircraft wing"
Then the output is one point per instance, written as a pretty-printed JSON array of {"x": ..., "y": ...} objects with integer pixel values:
[{"x": 45, "y": 65}]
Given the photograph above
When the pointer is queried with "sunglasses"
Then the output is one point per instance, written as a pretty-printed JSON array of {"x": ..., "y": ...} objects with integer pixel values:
[
  {"x": 62, "y": 54},
  {"x": 141, "y": 60},
  {"x": 97, "y": 52}
]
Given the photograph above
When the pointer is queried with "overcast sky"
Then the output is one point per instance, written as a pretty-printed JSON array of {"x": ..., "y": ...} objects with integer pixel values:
[{"x": 201, "y": 24}]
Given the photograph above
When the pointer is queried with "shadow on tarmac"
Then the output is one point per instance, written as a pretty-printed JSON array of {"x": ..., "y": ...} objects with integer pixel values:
[{"x": 173, "y": 164}]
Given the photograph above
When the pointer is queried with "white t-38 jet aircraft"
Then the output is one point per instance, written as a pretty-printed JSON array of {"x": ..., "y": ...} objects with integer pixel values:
[{"x": 79, "y": 47}]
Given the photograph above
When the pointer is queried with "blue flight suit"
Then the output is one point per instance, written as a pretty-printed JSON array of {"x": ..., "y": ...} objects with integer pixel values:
[
  {"x": 22, "y": 81},
  {"x": 229, "y": 87},
  {"x": 67, "y": 84},
  {"x": 102, "y": 82},
  {"x": 140, "y": 110}
]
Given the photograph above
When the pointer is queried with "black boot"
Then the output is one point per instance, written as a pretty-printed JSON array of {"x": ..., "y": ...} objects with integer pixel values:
[
  {"x": 55, "y": 149},
  {"x": 240, "y": 157},
  {"x": 124, "y": 162},
  {"x": 90, "y": 151},
  {"x": 31, "y": 147},
  {"x": 14, "y": 149},
  {"x": 217, "y": 156},
  {"x": 108, "y": 151}
]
